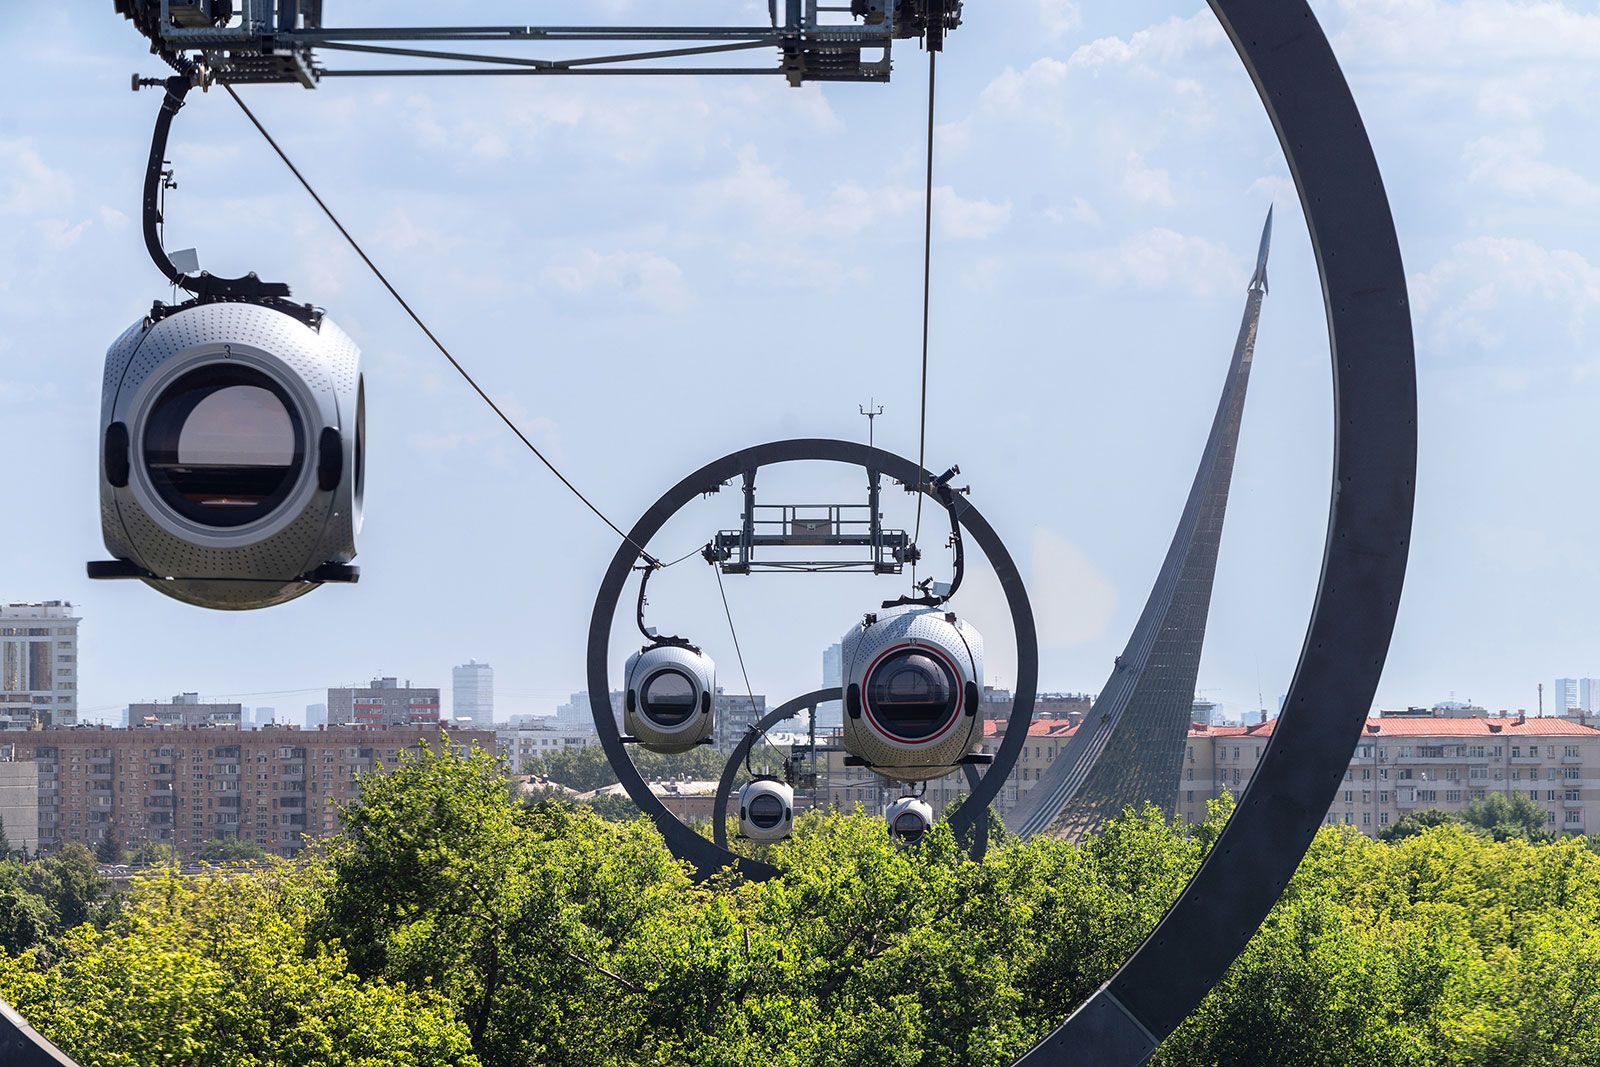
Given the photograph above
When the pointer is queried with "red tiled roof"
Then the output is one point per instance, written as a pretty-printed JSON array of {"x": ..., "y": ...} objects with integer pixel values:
[
  {"x": 1036, "y": 728},
  {"x": 1437, "y": 726}
]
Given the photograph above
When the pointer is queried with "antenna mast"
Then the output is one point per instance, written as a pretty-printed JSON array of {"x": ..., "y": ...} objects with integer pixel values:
[{"x": 872, "y": 410}]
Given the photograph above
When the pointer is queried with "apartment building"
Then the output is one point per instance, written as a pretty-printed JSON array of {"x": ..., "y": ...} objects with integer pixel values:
[
  {"x": 186, "y": 710},
  {"x": 38, "y": 665},
  {"x": 1410, "y": 762},
  {"x": 186, "y": 786},
  {"x": 383, "y": 703},
  {"x": 525, "y": 740}
]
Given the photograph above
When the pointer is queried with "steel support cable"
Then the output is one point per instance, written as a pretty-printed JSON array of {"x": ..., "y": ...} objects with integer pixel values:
[
  {"x": 927, "y": 285},
  {"x": 445, "y": 352},
  {"x": 733, "y": 631}
]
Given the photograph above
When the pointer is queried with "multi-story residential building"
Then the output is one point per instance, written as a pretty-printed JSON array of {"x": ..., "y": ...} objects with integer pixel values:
[
  {"x": 576, "y": 713},
  {"x": 735, "y": 714},
  {"x": 316, "y": 715},
  {"x": 1575, "y": 694},
  {"x": 186, "y": 786},
  {"x": 19, "y": 803},
  {"x": 830, "y": 713},
  {"x": 1406, "y": 761},
  {"x": 472, "y": 693},
  {"x": 38, "y": 665},
  {"x": 383, "y": 703},
  {"x": 1409, "y": 762},
  {"x": 186, "y": 710},
  {"x": 525, "y": 740}
]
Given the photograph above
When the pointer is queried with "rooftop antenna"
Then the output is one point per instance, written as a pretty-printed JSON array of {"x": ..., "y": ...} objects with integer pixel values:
[{"x": 871, "y": 411}]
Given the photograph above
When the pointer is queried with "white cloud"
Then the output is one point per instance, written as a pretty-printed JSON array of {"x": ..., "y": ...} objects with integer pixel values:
[
  {"x": 1513, "y": 58},
  {"x": 1059, "y": 17},
  {"x": 1163, "y": 44},
  {"x": 1510, "y": 164},
  {"x": 1145, "y": 184},
  {"x": 646, "y": 277},
  {"x": 1491, "y": 287},
  {"x": 958, "y": 217},
  {"x": 1160, "y": 258},
  {"x": 28, "y": 186},
  {"x": 1074, "y": 601}
]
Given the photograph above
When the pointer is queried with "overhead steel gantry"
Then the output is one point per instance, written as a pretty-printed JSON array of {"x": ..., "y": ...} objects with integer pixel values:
[{"x": 256, "y": 41}]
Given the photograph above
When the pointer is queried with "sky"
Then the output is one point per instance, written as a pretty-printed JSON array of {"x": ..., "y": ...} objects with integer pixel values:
[{"x": 653, "y": 272}]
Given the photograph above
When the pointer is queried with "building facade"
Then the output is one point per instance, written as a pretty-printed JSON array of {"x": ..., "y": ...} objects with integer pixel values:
[
  {"x": 524, "y": 741},
  {"x": 186, "y": 710},
  {"x": 19, "y": 803},
  {"x": 735, "y": 714},
  {"x": 1409, "y": 762},
  {"x": 383, "y": 703},
  {"x": 38, "y": 665},
  {"x": 186, "y": 786},
  {"x": 472, "y": 693}
]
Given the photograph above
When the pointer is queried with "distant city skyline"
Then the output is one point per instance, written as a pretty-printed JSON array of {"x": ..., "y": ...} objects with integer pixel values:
[{"x": 689, "y": 219}]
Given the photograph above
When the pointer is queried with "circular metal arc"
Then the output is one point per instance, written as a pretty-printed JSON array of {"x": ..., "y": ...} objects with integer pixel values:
[
  {"x": 703, "y": 853},
  {"x": 719, "y": 813},
  {"x": 1364, "y": 562}
]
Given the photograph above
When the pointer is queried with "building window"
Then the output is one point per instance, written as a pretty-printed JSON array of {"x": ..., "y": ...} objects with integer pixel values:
[{"x": 1383, "y": 818}]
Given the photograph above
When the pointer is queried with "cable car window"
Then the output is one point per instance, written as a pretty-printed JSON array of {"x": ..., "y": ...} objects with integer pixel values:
[
  {"x": 223, "y": 445},
  {"x": 668, "y": 698},
  {"x": 912, "y": 694},
  {"x": 361, "y": 439},
  {"x": 766, "y": 811},
  {"x": 908, "y": 826}
]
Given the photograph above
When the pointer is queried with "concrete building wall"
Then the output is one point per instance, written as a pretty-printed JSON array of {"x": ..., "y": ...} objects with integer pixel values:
[
  {"x": 472, "y": 693},
  {"x": 186, "y": 786},
  {"x": 186, "y": 710},
  {"x": 1412, "y": 763},
  {"x": 38, "y": 665},
  {"x": 19, "y": 803},
  {"x": 383, "y": 703}
]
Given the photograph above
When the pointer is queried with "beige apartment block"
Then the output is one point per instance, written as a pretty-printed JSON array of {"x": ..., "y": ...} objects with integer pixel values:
[
  {"x": 278, "y": 787},
  {"x": 1411, "y": 762}
]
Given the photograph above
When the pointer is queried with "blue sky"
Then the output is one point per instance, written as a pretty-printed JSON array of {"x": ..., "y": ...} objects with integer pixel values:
[{"x": 652, "y": 272}]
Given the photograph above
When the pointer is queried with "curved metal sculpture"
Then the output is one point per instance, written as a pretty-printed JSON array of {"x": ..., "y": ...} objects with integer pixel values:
[
  {"x": 1363, "y": 567},
  {"x": 705, "y": 855},
  {"x": 23, "y": 1046}
]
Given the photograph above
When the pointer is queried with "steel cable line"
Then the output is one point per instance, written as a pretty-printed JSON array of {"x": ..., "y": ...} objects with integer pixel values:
[
  {"x": 406, "y": 307},
  {"x": 927, "y": 263},
  {"x": 733, "y": 631}
]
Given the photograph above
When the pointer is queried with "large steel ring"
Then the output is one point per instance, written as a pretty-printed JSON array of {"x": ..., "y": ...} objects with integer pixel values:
[
  {"x": 788, "y": 710},
  {"x": 705, "y": 855},
  {"x": 1363, "y": 566}
]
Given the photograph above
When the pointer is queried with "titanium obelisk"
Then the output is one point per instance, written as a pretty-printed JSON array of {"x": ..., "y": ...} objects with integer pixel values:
[{"x": 1129, "y": 749}]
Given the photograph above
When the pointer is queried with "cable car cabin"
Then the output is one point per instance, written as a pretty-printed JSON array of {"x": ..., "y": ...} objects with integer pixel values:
[
  {"x": 909, "y": 819},
  {"x": 766, "y": 810},
  {"x": 232, "y": 453},
  {"x": 671, "y": 690},
  {"x": 913, "y": 679}
]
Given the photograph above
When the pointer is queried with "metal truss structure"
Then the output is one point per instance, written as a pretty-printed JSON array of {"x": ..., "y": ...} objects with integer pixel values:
[
  {"x": 837, "y": 528},
  {"x": 244, "y": 41}
]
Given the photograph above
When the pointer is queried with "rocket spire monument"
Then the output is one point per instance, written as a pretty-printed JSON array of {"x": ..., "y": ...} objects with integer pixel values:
[{"x": 1129, "y": 749}]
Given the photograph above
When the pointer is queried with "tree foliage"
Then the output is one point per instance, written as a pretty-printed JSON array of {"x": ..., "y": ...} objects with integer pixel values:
[
  {"x": 215, "y": 970},
  {"x": 584, "y": 769},
  {"x": 452, "y": 923}
]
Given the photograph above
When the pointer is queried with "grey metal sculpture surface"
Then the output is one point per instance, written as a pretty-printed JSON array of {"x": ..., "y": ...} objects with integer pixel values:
[
  {"x": 23, "y": 1046},
  {"x": 1363, "y": 566},
  {"x": 1129, "y": 748}
]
